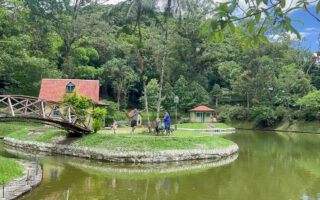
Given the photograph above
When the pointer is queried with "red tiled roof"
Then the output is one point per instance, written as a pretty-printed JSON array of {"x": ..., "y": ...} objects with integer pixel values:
[
  {"x": 54, "y": 89},
  {"x": 202, "y": 108}
]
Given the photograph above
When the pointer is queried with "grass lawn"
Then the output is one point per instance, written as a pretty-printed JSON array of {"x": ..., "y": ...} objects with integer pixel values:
[
  {"x": 151, "y": 143},
  {"x": 221, "y": 125},
  {"x": 194, "y": 126},
  {"x": 122, "y": 141},
  {"x": 203, "y": 126},
  {"x": 9, "y": 170},
  {"x": 7, "y": 128},
  {"x": 22, "y": 131}
]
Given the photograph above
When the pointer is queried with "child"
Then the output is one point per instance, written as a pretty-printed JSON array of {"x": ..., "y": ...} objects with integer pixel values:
[
  {"x": 156, "y": 126},
  {"x": 114, "y": 126}
]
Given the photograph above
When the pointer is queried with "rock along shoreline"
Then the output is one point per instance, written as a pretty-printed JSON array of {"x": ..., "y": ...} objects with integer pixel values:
[
  {"x": 32, "y": 177},
  {"x": 129, "y": 157}
]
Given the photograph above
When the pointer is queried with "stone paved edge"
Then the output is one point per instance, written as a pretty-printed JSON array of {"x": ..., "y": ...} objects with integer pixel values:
[
  {"x": 32, "y": 177},
  {"x": 116, "y": 156},
  {"x": 215, "y": 131}
]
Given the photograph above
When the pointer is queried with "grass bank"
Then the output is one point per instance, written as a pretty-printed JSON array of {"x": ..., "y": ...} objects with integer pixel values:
[
  {"x": 7, "y": 128},
  {"x": 30, "y": 131},
  {"x": 9, "y": 170},
  {"x": 294, "y": 126},
  {"x": 122, "y": 141},
  {"x": 203, "y": 126},
  {"x": 151, "y": 143}
]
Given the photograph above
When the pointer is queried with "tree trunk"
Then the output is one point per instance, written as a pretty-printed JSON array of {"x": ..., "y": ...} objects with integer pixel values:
[
  {"x": 248, "y": 103},
  {"x": 146, "y": 105},
  {"x": 118, "y": 100},
  {"x": 217, "y": 101},
  {"x": 164, "y": 62},
  {"x": 141, "y": 65}
]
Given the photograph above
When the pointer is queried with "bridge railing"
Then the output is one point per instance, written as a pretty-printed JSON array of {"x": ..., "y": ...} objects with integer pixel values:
[{"x": 18, "y": 106}]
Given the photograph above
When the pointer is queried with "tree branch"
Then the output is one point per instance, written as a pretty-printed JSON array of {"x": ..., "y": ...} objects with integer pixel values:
[
  {"x": 310, "y": 13},
  {"x": 256, "y": 13}
]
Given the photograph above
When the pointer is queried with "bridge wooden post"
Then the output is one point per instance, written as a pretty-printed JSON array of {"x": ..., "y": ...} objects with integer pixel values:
[
  {"x": 11, "y": 107},
  {"x": 69, "y": 114},
  {"x": 43, "y": 110},
  {"x": 26, "y": 107}
]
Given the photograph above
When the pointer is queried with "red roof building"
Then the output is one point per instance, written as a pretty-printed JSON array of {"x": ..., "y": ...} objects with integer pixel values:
[
  {"x": 201, "y": 114},
  {"x": 202, "y": 108},
  {"x": 53, "y": 90}
]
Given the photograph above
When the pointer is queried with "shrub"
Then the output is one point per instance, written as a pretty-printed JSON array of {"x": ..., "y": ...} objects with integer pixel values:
[
  {"x": 79, "y": 103},
  {"x": 97, "y": 125},
  {"x": 263, "y": 116},
  {"x": 227, "y": 113},
  {"x": 98, "y": 115}
]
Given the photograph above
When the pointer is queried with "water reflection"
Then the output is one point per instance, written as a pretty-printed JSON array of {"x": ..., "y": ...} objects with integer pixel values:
[{"x": 270, "y": 166}]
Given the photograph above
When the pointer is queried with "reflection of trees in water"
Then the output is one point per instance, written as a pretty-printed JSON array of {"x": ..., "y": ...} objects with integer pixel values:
[{"x": 270, "y": 166}]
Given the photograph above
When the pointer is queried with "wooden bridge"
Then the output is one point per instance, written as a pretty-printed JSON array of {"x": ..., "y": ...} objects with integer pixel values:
[{"x": 26, "y": 108}]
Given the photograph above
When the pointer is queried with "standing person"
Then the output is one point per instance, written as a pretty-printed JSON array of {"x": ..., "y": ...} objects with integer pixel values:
[
  {"x": 114, "y": 126},
  {"x": 167, "y": 122},
  {"x": 156, "y": 126},
  {"x": 134, "y": 120}
]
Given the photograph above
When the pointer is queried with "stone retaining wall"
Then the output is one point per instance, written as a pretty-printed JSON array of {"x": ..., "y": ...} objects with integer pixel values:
[
  {"x": 131, "y": 157},
  {"x": 210, "y": 131},
  {"x": 32, "y": 176}
]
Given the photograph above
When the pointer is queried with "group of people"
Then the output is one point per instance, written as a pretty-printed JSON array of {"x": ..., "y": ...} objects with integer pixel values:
[{"x": 157, "y": 123}]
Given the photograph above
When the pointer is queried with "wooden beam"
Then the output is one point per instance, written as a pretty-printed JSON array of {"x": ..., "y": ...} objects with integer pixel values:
[
  {"x": 69, "y": 115},
  {"x": 43, "y": 110},
  {"x": 10, "y": 106}
]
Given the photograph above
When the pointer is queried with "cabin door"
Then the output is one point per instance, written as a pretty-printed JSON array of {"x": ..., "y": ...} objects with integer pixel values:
[{"x": 202, "y": 117}]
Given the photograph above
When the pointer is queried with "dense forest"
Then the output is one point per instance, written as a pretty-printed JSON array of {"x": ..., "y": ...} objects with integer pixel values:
[{"x": 144, "y": 57}]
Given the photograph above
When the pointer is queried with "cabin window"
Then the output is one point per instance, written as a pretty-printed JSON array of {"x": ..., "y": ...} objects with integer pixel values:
[
  {"x": 70, "y": 87},
  {"x": 198, "y": 114},
  {"x": 208, "y": 114}
]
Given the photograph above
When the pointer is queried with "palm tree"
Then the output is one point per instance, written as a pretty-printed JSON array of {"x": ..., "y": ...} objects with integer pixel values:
[{"x": 135, "y": 9}]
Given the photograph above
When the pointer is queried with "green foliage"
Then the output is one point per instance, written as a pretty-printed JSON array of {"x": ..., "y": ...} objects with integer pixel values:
[
  {"x": 311, "y": 101},
  {"x": 152, "y": 94},
  {"x": 310, "y": 104},
  {"x": 263, "y": 116},
  {"x": 80, "y": 104},
  {"x": 97, "y": 125},
  {"x": 122, "y": 48},
  {"x": 98, "y": 115},
  {"x": 9, "y": 169},
  {"x": 112, "y": 111},
  {"x": 88, "y": 72},
  {"x": 190, "y": 95},
  {"x": 227, "y": 113}
]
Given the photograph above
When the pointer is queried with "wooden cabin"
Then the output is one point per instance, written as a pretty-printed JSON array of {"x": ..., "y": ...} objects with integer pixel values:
[
  {"x": 201, "y": 114},
  {"x": 53, "y": 91}
]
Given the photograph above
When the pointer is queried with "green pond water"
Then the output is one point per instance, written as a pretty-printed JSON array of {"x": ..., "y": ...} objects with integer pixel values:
[{"x": 269, "y": 166}]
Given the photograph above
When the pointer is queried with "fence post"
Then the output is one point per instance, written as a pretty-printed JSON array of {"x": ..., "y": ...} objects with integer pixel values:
[
  {"x": 11, "y": 107},
  {"x": 3, "y": 190}
]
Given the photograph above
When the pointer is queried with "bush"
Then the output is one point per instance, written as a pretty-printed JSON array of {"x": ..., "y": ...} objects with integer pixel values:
[
  {"x": 281, "y": 113},
  {"x": 228, "y": 113},
  {"x": 263, "y": 116},
  {"x": 97, "y": 125},
  {"x": 79, "y": 103},
  {"x": 98, "y": 115}
]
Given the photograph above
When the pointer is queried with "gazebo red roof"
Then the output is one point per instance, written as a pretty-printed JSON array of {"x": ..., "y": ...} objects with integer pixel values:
[
  {"x": 54, "y": 89},
  {"x": 202, "y": 108}
]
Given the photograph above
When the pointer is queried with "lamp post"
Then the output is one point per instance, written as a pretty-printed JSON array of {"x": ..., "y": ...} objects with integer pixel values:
[{"x": 176, "y": 101}]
